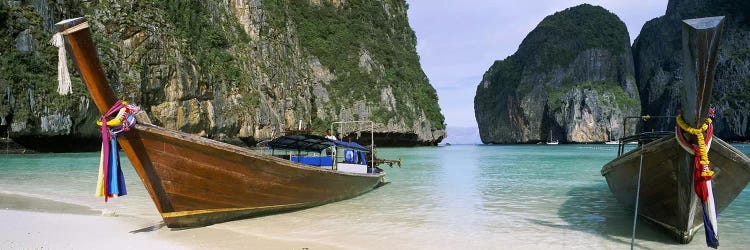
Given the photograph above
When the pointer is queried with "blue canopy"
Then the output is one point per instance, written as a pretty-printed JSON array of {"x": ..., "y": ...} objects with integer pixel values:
[
  {"x": 351, "y": 145},
  {"x": 312, "y": 143}
]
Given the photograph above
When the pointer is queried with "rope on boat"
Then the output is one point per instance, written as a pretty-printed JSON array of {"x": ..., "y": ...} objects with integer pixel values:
[
  {"x": 63, "y": 76},
  {"x": 637, "y": 197}
]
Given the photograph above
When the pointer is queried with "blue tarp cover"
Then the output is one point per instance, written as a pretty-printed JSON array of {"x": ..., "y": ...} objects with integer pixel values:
[
  {"x": 352, "y": 145},
  {"x": 350, "y": 156},
  {"x": 363, "y": 158},
  {"x": 311, "y": 143},
  {"x": 314, "y": 160}
]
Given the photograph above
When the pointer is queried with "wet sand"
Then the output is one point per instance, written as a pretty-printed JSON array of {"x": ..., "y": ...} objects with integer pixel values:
[{"x": 35, "y": 223}]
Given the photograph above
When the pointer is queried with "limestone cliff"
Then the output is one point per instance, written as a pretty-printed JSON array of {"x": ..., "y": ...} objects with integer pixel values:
[
  {"x": 570, "y": 80},
  {"x": 237, "y": 70},
  {"x": 658, "y": 62}
]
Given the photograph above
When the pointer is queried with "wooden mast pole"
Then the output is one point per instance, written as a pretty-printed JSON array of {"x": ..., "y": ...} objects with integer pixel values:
[
  {"x": 78, "y": 41},
  {"x": 700, "y": 43}
]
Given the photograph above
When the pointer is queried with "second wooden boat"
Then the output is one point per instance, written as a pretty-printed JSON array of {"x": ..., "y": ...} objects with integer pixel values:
[{"x": 667, "y": 179}]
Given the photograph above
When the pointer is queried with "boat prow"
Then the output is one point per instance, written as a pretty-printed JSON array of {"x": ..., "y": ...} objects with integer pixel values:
[{"x": 667, "y": 196}]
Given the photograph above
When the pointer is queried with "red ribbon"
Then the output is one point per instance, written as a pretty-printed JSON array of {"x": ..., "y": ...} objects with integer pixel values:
[{"x": 699, "y": 181}]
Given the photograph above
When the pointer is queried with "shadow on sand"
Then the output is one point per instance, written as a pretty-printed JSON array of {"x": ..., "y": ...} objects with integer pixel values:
[
  {"x": 593, "y": 209},
  {"x": 149, "y": 228},
  {"x": 35, "y": 204}
]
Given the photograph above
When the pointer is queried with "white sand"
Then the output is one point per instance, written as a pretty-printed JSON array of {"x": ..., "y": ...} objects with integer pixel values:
[
  {"x": 36, "y": 230},
  {"x": 34, "y": 223}
]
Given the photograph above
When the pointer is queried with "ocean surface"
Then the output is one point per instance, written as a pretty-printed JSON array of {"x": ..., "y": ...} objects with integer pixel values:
[{"x": 451, "y": 197}]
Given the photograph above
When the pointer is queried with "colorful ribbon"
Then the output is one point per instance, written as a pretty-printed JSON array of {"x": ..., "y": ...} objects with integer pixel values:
[
  {"x": 111, "y": 181},
  {"x": 702, "y": 175}
]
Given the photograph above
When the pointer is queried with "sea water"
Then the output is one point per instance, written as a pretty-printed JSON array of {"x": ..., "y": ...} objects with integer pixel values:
[{"x": 452, "y": 197}]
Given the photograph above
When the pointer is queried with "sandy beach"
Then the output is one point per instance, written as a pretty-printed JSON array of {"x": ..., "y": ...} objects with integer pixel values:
[{"x": 35, "y": 223}]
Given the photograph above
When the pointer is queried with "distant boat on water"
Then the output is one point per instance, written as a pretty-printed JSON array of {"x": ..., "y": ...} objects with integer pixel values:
[
  {"x": 550, "y": 141},
  {"x": 611, "y": 142},
  {"x": 679, "y": 191},
  {"x": 195, "y": 181}
]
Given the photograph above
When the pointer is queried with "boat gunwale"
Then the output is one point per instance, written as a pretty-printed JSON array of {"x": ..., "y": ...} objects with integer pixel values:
[
  {"x": 222, "y": 146},
  {"x": 614, "y": 163},
  {"x": 716, "y": 143}
]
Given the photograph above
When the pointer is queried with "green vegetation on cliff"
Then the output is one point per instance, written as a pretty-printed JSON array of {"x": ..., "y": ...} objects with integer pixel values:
[
  {"x": 556, "y": 42},
  {"x": 338, "y": 34},
  {"x": 208, "y": 35},
  {"x": 504, "y": 78},
  {"x": 609, "y": 92},
  {"x": 560, "y": 37},
  {"x": 28, "y": 76}
]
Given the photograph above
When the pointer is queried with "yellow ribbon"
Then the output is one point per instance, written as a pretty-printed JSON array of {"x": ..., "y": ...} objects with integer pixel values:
[{"x": 117, "y": 121}]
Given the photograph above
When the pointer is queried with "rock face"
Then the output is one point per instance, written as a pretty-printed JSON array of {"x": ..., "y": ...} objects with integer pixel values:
[
  {"x": 571, "y": 80},
  {"x": 658, "y": 65},
  {"x": 236, "y": 71}
]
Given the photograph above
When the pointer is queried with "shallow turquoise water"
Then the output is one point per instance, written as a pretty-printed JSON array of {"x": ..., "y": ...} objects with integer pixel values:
[{"x": 455, "y": 197}]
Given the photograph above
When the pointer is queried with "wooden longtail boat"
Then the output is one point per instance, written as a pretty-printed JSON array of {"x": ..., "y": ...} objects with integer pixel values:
[
  {"x": 195, "y": 181},
  {"x": 667, "y": 195}
]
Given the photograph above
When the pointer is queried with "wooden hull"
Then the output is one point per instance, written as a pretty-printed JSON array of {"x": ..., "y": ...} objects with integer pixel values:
[
  {"x": 667, "y": 196},
  {"x": 197, "y": 181}
]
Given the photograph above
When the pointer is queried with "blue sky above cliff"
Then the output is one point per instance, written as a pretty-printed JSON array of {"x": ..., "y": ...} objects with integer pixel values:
[{"x": 457, "y": 41}]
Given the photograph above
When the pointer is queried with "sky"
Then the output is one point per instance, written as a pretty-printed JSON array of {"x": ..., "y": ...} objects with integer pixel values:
[{"x": 458, "y": 40}]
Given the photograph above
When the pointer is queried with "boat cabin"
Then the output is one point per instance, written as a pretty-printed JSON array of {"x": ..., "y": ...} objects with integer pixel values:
[{"x": 317, "y": 151}]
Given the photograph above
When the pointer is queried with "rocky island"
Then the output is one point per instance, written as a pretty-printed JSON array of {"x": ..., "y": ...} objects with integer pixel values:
[{"x": 572, "y": 80}]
